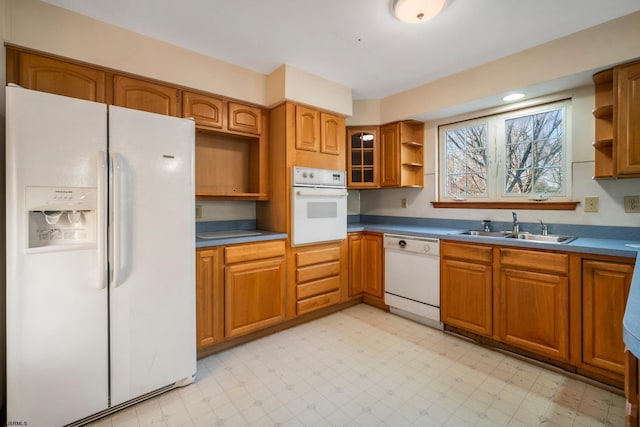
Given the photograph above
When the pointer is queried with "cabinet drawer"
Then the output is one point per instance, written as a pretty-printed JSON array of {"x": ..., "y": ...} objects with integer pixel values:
[
  {"x": 317, "y": 256},
  {"x": 466, "y": 251},
  {"x": 535, "y": 260},
  {"x": 253, "y": 251},
  {"x": 320, "y": 271},
  {"x": 318, "y": 287},
  {"x": 318, "y": 302}
]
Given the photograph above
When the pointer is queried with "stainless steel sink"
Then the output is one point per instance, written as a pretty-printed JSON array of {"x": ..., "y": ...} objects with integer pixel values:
[
  {"x": 540, "y": 238},
  {"x": 486, "y": 233}
]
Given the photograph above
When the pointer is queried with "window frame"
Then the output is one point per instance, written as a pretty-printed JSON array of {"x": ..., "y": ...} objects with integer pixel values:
[{"x": 496, "y": 150}]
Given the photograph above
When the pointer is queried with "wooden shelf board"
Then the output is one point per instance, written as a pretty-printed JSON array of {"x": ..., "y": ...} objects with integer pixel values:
[
  {"x": 603, "y": 143},
  {"x": 603, "y": 111},
  {"x": 413, "y": 143},
  {"x": 551, "y": 206},
  {"x": 605, "y": 76},
  {"x": 413, "y": 165}
]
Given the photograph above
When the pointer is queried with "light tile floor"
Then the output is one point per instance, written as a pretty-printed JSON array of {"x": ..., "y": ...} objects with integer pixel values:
[{"x": 365, "y": 367}]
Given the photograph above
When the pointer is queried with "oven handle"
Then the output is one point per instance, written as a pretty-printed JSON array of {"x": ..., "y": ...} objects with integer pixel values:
[{"x": 302, "y": 193}]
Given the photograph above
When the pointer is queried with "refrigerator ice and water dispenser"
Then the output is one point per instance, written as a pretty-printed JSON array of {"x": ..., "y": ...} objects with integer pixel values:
[{"x": 61, "y": 217}]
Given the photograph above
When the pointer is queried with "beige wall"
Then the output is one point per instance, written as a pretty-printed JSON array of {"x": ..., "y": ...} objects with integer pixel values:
[
  {"x": 597, "y": 47},
  {"x": 41, "y": 26}
]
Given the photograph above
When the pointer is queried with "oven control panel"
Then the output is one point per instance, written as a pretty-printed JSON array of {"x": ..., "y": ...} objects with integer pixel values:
[{"x": 312, "y": 177}]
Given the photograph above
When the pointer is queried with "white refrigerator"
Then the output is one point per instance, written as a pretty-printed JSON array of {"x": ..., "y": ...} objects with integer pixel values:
[{"x": 100, "y": 257}]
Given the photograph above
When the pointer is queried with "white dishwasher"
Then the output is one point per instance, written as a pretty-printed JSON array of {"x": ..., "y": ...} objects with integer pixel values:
[{"x": 412, "y": 278}]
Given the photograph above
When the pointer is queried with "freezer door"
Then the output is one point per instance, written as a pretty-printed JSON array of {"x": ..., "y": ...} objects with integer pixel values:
[
  {"x": 57, "y": 367},
  {"x": 152, "y": 289}
]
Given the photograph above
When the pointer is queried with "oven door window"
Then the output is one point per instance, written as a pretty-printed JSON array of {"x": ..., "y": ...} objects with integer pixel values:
[{"x": 322, "y": 210}]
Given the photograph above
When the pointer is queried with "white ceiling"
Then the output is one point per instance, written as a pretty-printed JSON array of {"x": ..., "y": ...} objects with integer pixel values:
[{"x": 356, "y": 43}]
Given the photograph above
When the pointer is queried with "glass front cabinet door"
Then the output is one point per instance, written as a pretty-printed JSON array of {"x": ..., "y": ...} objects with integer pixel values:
[{"x": 363, "y": 157}]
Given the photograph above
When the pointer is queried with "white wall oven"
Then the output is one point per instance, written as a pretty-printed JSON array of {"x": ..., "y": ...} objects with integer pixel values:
[{"x": 318, "y": 206}]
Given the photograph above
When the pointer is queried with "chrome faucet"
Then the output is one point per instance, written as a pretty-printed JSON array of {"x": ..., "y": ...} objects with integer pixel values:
[
  {"x": 516, "y": 224},
  {"x": 543, "y": 228}
]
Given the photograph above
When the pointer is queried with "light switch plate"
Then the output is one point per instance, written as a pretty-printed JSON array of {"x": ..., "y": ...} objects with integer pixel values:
[
  {"x": 405, "y": 202},
  {"x": 198, "y": 211},
  {"x": 632, "y": 204},
  {"x": 591, "y": 204}
]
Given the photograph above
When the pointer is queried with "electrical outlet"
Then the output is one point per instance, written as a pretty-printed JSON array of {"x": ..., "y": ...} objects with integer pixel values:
[
  {"x": 198, "y": 211},
  {"x": 591, "y": 204},
  {"x": 405, "y": 202},
  {"x": 632, "y": 204}
]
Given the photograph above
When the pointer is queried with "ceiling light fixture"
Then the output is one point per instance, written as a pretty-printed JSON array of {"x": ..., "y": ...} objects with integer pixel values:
[
  {"x": 513, "y": 97},
  {"x": 414, "y": 11}
]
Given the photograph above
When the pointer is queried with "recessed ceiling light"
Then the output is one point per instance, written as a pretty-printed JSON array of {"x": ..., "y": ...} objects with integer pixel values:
[
  {"x": 414, "y": 11},
  {"x": 513, "y": 97}
]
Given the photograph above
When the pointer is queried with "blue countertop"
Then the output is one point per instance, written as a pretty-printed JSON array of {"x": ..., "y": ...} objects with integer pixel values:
[{"x": 263, "y": 236}]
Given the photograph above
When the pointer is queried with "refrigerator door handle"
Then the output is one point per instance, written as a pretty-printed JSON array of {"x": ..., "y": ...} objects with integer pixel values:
[
  {"x": 116, "y": 220},
  {"x": 101, "y": 238}
]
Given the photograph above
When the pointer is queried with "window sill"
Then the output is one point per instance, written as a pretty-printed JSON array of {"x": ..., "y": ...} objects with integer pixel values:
[{"x": 546, "y": 206}]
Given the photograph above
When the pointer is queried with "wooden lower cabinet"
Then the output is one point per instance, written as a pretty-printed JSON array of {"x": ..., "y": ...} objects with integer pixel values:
[
  {"x": 209, "y": 298},
  {"x": 466, "y": 287},
  {"x": 533, "y": 290},
  {"x": 366, "y": 267},
  {"x": 534, "y": 312},
  {"x": 254, "y": 285},
  {"x": 605, "y": 289}
]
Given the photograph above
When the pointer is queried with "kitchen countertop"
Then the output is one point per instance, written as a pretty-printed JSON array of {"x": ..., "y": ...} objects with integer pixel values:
[
  {"x": 596, "y": 246},
  {"x": 263, "y": 236}
]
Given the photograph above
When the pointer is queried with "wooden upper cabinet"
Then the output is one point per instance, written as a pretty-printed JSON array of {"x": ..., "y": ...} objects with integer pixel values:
[
  {"x": 54, "y": 76},
  {"x": 244, "y": 118},
  {"x": 390, "y": 155},
  {"x": 207, "y": 111},
  {"x": 145, "y": 95},
  {"x": 332, "y": 135},
  {"x": 362, "y": 157},
  {"x": 628, "y": 125},
  {"x": 307, "y": 129}
]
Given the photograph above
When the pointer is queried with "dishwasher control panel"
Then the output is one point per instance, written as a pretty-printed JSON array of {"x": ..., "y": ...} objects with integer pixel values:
[{"x": 422, "y": 245}]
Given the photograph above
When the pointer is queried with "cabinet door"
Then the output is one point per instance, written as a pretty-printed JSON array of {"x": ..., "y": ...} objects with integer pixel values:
[
  {"x": 628, "y": 125},
  {"x": 307, "y": 129},
  {"x": 332, "y": 134},
  {"x": 390, "y": 156},
  {"x": 207, "y": 111},
  {"x": 61, "y": 78},
  {"x": 362, "y": 158},
  {"x": 145, "y": 95},
  {"x": 356, "y": 268},
  {"x": 605, "y": 288},
  {"x": 243, "y": 118},
  {"x": 372, "y": 265},
  {"x": 209, "y": 304},
  {"x": 535, "y": 312},
  {"x": 466, "y": 295},
  {"x": 254, "y": 296}
]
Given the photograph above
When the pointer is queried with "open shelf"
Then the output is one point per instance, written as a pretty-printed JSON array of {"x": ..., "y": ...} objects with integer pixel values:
[{"x": 227, "y": 166}]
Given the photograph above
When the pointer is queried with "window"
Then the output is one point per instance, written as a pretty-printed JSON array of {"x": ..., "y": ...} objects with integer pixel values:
[{"x": 507, "y": 157}]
